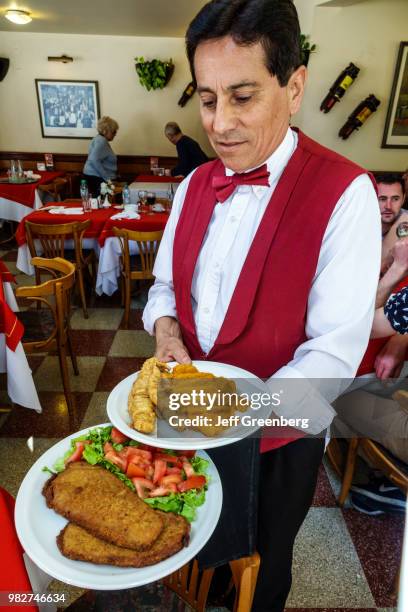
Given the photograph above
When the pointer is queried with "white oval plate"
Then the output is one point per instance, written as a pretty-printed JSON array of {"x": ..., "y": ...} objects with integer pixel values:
[
  {"x": 188, "y": 439},
  {"x": 38, "y": 526}
]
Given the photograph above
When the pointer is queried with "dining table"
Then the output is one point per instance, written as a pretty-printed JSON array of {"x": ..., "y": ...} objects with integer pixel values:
[
  {"x": 19, "y": 199},
  {"x": 160, "y": 185},
  {"x": 13, "y": 360},
  {"x": 99, "y": 236}
]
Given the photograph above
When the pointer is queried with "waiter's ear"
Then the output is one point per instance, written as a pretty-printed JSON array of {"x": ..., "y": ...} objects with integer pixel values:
[{"x": 295, "y": 89}]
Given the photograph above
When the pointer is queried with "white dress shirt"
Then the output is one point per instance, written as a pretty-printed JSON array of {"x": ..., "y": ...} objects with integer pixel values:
[{"x": 341, "y": 300}]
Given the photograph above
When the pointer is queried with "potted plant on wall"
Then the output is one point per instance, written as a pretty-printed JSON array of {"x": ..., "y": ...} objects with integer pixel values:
[
  {"x": 154, "y": 74},
  {"x": 306, "y": 48}
]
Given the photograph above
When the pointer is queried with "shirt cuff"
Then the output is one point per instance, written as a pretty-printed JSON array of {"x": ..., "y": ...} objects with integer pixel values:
[
  {"x": 162, "y": 308},
  {"x": 300, "y": 399}
]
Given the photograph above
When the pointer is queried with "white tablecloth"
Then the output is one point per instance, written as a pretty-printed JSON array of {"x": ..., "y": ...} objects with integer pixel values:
[
  {"x": 14, "y": 211},
  {"x": 160, "y": 189},
  {"x": 20, "y": 384},
  {"x": 109, "y": 265}
]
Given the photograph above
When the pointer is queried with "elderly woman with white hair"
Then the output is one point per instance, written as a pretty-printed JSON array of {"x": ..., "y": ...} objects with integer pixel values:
[{"x": 101, "y": 164}]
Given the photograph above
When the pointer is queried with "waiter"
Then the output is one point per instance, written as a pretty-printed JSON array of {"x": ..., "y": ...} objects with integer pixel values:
[{"x": 262, "y": 266}]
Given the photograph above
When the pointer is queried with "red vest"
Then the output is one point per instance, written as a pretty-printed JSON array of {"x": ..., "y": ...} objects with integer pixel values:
[{"x": 265, "y": 320}]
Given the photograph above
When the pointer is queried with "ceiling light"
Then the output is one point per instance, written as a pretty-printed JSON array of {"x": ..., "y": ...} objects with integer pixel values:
[{"x": 19, "y": 17}]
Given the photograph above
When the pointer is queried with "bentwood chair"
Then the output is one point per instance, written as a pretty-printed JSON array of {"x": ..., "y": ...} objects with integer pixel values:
[
  {"x": 136, "y": 267},
  {"x": 51, "y": 242},
  {"x": 49, "y": 329},
  {"x": 192, "y": 585},
  {"x": 54, "y": 189}
]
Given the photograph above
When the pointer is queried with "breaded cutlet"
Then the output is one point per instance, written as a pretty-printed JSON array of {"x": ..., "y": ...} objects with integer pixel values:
[
  {"x": 98, "y": 501},
  {"x": 77, "y": 543}
]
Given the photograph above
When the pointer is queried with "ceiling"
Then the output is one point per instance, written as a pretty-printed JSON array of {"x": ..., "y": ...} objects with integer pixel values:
[{"x": 120, "y": 17}]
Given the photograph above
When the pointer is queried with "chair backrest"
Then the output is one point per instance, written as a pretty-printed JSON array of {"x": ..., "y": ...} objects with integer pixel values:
[
  {"x": 148, "y": 245},
  {"x": 58, "y": 288},
  {"x": 192, "y": 585},
  {"x": 52, "y": 238},
  {"x": 55, "y": 188}
]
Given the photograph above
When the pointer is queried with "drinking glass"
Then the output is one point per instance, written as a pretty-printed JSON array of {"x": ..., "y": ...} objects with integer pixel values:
[
  {"x": 13, "y": 171},
  {"x": 142, "y": 196},
  {"x": 151, "y": 198}
]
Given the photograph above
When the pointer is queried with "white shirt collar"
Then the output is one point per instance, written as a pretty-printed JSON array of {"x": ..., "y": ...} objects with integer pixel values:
[{"x": 275, "y": 162}]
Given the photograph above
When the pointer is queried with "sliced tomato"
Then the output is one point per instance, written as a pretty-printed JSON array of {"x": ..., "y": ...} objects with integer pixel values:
[
  {"x": 172, "y": 487},
  {"x": 118, "y": 437},
  {"x": 188, "y": 468},
  {"x": 167, "y": 458},
  {"x": 147, "y": 447},
  {"x": 135, "y": 470},
  {"x": 137, "y": 452},
  {"x": 77, "y": 454},
  {"x": 189, "y": 454},
  {"x": 159, "y": 470},
  {"x": 150, "y": 472},
  {"x": 116, "y": 459},
  {"x": 195, "y": 482},
  {"x": 160, "y": 492},
  {"x": 171, "y": 478},
  {"x": 107, "y": 447},
  {"x": 173, "y": 470},
  {"x": 144, "y": 482},
  {"x": 140, "y": 490}
]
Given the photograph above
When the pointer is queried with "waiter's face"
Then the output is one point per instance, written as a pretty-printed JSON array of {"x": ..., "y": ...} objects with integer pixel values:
[{"x": 244, "y": 110}]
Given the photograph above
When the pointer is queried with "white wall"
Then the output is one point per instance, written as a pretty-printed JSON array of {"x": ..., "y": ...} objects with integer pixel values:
[
  {"x": 368, "y": 34},
  {"x": 110, "y": 61}
]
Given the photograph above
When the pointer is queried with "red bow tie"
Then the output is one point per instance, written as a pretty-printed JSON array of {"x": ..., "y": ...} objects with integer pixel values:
[{"x": 224, "y": 186}]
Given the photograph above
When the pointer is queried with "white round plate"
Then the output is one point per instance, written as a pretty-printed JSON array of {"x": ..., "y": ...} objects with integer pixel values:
[
  {"x": 38, "y": 526},
  {"x": 188, "y": 439}
]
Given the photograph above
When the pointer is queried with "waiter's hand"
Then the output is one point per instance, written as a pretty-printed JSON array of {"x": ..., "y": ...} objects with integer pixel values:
[{"x": 169, "y": 344}]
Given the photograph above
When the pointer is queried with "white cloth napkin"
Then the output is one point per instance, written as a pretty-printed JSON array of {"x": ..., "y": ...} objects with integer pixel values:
[
  {"x": 131, "y": 214},
  {"x": 66, "y": 211}
]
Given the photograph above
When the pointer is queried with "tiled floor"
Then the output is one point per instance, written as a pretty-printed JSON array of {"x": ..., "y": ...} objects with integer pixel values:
[{"x": 343, "y": 560}]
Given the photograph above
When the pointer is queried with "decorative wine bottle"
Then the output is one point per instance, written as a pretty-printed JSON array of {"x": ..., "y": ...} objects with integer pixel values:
[
  {"x": 359, "y": 115},
  {"x": 187, "y": 94},
  {"x": 339, "y": 87}
]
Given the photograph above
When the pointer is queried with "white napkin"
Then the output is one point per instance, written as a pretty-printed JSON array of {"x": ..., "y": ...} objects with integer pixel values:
[
  {"x": 131, "y": 214},
  {"x": 66, "y": 211}
]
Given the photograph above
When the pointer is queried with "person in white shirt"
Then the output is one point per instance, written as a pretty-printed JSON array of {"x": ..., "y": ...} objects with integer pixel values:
[{"x": 262, "y": 265}]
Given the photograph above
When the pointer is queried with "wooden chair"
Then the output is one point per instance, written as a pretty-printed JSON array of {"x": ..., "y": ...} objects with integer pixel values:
[
  {"x": 46, "y": 330},
  {"x": 192, "y": 586},
  {"x": 55, "y": 188},
  {"x": 52, "y": 239},
  {"x": 148, "y": 244}
]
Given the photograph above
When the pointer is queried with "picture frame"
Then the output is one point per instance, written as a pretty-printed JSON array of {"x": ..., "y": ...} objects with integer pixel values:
[
  {"x": 396, "y": 123},
  {"x": 68, "y": 109}
]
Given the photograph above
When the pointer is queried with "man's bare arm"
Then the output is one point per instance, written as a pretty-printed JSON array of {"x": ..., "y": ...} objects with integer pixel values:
[{"x": 395, "y": 273}]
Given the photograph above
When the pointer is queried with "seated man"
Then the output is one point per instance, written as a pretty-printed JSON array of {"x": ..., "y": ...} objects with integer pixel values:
[
  {"x": 367, "y": 409},
  {"x": 189, "y": 151},
  {"x": 391, "y": 196}
]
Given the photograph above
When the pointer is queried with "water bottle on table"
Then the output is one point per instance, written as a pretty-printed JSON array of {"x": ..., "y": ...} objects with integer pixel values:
[
  {"x": 126, "y": 196},
  {"x": 83, "y": 190}
]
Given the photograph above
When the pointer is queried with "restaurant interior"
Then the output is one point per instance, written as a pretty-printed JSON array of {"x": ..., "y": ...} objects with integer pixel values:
[{"x": 62, "y": 67}]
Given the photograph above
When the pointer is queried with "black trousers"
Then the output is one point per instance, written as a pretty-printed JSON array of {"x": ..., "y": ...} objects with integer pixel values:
[
  {"x": 266, "y": 499},
  {"x": 94, "y": 184},
  {"x": 288, "y": 479}
]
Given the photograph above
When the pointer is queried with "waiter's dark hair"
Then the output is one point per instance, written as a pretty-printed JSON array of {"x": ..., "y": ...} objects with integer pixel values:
[{"x": 273, "y": 23}]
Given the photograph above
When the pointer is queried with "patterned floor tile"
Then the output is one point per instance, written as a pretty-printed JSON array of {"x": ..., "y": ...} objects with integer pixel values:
[
  {"x": 10, "y": 255},
  {"x": 326, "y": 570},
  {"x": 324, "y": 494},
  {"x": 48, "y": 377},
  {"x": 129, "y": 343},
  {"x": 135, "y": 320},
  {"x": 35, "y": 361},
  {"x": 92, "y": 342},
  {"x": 331, "y": 610},
  {"x": 53, "y": 422},
  {"x": 378, "y": 542},
  {"x": 100, "y": 318},
  {"x": 96, "y": 411},
  {"x": 115, "y": 370}
]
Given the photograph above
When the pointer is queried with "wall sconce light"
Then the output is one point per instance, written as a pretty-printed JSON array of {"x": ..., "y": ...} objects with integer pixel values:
[
  {"x": 19, "y": 17},
  {"x": 65, "y": 59}
]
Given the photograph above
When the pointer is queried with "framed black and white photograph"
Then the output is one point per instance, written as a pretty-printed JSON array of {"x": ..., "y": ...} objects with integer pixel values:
[
  {"x": 396, "y": 123},
  {"x": 68, "y": 109}
]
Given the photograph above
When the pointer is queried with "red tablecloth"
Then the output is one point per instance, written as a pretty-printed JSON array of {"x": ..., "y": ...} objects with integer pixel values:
[
  {"x": 101, "y": 222},
  {"x": 13, "y": 573},
  {"x": 9, "y": 323},
  {"x": 25, "y": 193},
  {"x": 151, "y": 178}
]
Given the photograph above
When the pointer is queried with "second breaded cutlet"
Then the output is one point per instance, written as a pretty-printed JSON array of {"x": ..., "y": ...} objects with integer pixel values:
[{"x": 98, "y": 501}]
